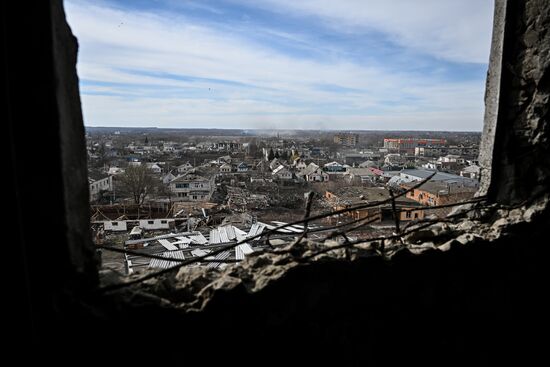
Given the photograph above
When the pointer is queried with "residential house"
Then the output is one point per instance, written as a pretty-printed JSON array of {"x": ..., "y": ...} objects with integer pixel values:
[
  {"x": 433, "y": 193},
  {"x": 154, "y": 167},
  {"x": 360, "y": 176},
  {"x": 432, "y": 166},
  {"x": 191, "y": 187},
  {"x": 472, "y": 171},
  {"x": 226, "y": 168},
  {"x": 99, "y": 185},
  {"x": 367, "y": 164},
  {"x": 242, "y": 167},
  {"x": 184, "y": 168},
  {"x": 115, "y": 226},
  {"x": 315, "y": 152},
  {"x": 274, "y": 164},
  {"x": 334, "y": 168},
  {"x": 410, "y": 175},
  {"x": 394, "y": 160},
  {"x": 354, "y": 197},
  {"x": 451, "y": 158},
  {"x": 263, "y": 166},
  {"x": 225, "y": 159},
  {"x": 228, "y": 146},
  {"x": 166, "y": 179},
  {"x": 115, "y": 171},
  {"x": 156, "y": 224},
  {"x": 282, "y": 173},
  {"x": 299, "y": 164},
  {"x": 313, "y": 173}
]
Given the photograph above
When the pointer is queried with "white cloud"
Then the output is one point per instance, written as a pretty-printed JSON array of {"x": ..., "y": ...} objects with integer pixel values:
[
  {"x": 282, "y": 88},
  {"x": 455, "y": 30}
]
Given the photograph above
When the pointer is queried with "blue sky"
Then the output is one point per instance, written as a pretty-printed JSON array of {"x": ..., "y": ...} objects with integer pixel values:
[{"x": 305, "y": 64}]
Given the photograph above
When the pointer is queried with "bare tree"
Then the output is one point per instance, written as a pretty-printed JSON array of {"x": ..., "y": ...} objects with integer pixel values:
[{"x": 138, "y": 182}]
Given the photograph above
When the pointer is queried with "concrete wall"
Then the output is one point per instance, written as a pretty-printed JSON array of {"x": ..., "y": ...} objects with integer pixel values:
[
  {"x": 40, "y": 106},
  {"x": 155, "y": 223},
  {"x": 480, "y": 300},
  {"x": 515, "y": 145},
  {"x": 115, "y": 226}
]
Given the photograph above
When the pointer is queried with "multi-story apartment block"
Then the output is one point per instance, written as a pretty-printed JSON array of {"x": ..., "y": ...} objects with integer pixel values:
[
  {"x": 408, "y": 145},
  {"x": 346, "y": 139}
]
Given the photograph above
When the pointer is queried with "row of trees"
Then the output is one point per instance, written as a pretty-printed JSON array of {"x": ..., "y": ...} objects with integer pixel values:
[{"x": 137, "y": 182}]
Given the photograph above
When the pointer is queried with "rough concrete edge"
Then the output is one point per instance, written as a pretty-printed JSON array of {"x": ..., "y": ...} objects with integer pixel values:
[
  {"x": 191, "y": 290},
  {"x": 72, "y": 138},
  {"x": 492, "y": 97}
]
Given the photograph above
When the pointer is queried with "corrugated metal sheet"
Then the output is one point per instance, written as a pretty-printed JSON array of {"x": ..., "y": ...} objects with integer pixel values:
[
  {"x": 221, "y": 256},
  {"x": 167, "y": 245},
  {"x": 198, "y": 239},
  {"x": 239, "y": 232},
  {"x": 223, "y": 235},
  {"x": 214, "y": 237},
  {"x": 230, "y": 232},
  {"x": 182, "y": 242},
  {"x": 242, "y": 250},
  {"x": 239, "y": 254},
  {"x": 293, "y": 228},
  {"x": 284, "y": 230},
  {"x": 164, "y": 264},
  {"x": 198, "y": 252},
  {"x": 256, "y": 229},
  {"x": 246, "y": 248}
]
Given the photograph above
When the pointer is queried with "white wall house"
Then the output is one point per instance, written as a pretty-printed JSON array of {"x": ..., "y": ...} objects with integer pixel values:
[
  {"x": 167, "y": 178},
  {"x": 155, "y": 168},
  {"x": 334, "y": 167},
  {"x": 360, "y": 175},
  {"x": 299, "y": 164},
  {"x": 225, "y": 168},
  {"x": 184, "y": 168},
  {"x": 191, "y": 187},
  {"x": 471, "y": 172},
  {"x": 153, "y": 224},
  {"x": 115, "y": 171},
  {"x": 317, "y": 176},
  {"x": 282, "y": 173},
  {"x": 97, "y": 186},
  {"x": 115, "y": 225}
]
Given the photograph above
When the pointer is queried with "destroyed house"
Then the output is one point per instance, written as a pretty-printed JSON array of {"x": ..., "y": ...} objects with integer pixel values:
[
  {"x": 313, "y": 173},
  {"x": 191, "y": 187},
  {"x": 439, "y": 193},
  {"x": 346, "y": 197},
  {"x": 282, "y": 173},
  {"x": 99, "y": 184}
]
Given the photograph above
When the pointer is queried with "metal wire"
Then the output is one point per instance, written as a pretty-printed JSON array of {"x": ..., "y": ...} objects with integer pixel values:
[{"x": 305, "y": 220}]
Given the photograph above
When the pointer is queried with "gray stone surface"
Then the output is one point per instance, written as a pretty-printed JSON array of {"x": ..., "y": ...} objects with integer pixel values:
[
  {"x": 519, "y": 121},
  {"x": 73, "y": 144},
  {"x": 492, "y": 97}
]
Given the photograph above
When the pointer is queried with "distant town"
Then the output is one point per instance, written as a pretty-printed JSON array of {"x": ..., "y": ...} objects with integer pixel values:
[{"x": 181, "y": 193}]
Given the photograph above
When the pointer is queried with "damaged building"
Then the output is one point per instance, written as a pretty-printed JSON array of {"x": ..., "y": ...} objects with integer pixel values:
[{"x": 466, "y": 290}]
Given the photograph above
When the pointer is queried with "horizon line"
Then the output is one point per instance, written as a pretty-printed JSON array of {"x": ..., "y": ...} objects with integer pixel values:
[{"x": 269, "y": 129}]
